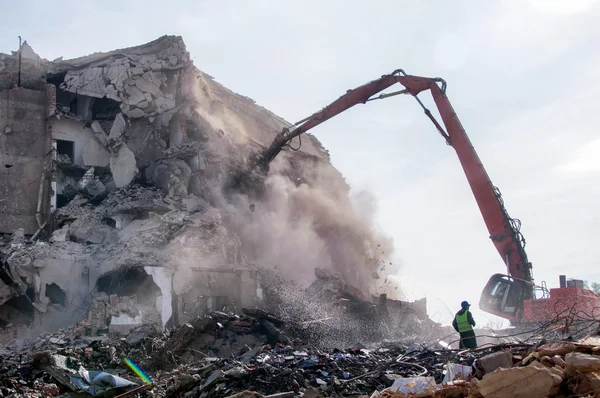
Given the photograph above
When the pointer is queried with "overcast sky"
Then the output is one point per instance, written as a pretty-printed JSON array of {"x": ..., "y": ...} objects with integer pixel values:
[{"x": 523, "y": 77}]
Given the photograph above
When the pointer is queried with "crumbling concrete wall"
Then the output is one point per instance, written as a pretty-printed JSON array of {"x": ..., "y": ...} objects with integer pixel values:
[
  {"x": 32, "y": 67},
  {"x": 87, "y": 151},
  {"x": 142, "y": 79},
  {"x": 237, "y": 287},
  {"x": 118, "y": 315},
  {"x": 163, "y": 139},
  {"x": 24, "y": 149}
]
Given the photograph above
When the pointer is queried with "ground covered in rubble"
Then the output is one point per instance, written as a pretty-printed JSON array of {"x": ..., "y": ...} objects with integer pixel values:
[
  {"x": 131, "y": 267},
  {"x": 255, "y": 353}
]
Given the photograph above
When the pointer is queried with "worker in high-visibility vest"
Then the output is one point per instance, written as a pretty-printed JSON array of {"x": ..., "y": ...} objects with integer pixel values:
[{"x": 463, "y": 323}]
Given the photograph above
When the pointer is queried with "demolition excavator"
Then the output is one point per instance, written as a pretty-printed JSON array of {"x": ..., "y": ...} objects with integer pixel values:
[{"x": 512, "y": 295}]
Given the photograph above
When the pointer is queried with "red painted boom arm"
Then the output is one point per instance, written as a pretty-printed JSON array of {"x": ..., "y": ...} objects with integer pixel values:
[{"x": 504, "y": 231}]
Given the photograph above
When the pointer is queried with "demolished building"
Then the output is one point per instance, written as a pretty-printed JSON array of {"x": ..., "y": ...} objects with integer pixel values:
[{"x": 110, "y": 191}]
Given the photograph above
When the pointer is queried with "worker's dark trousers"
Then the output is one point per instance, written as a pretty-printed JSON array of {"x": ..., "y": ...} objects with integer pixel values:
[{"x": 468, "y": 340}]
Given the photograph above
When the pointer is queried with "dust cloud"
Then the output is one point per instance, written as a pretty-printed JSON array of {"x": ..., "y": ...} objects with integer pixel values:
[
  {"x": 306, "y": 217},
  {"x": 310, "y": 221}
]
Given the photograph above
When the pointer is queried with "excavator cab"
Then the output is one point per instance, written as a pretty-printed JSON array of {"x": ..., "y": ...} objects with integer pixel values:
[{"x": 503, "y": 296}]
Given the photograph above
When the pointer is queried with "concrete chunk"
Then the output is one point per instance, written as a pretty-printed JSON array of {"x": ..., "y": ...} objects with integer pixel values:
[
  {"x": 135, "y": 96},
  {"x": 526, "y": 382},
  {"x": 135, "y": 113},
  {"x": 117, "y": 74},
  {"x": 117, "y": 128},
  {"x": 60, "y": 235},
  {"x": 95, "y": 155},
  {"x": 99, "y": 133},
  {"x": 90, "y": 185},
  {"x": 123, "y": 166},
  {"x": 140, "y": 333},
  {"x": 146, "y": 84},
  {"x": 84, "y": 232},
  {"x": 161, "y": 171},
  {"x": 112, "y": 93},
  {"x": 578, "y": 362},
  {"x": 552, "y": 349},
  {"x": 88, "y": 81},
  {"x": 491, "y": 362}
]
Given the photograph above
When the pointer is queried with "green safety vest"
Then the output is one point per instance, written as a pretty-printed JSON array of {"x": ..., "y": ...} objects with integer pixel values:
[{"x": 463, "y": 323}]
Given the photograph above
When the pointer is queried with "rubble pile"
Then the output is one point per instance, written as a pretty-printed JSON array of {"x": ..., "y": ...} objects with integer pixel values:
[
  {"x": 256, "y": 354},
  {"x": 118, "y": 220},
  {"x": 329, "y": 312}
]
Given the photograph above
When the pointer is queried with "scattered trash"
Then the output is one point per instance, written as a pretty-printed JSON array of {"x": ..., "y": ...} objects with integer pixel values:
[
  {"x": 97, "y": 383},
  {"x": 454, "y": 371},
  {"x": 413, "y": 385}
]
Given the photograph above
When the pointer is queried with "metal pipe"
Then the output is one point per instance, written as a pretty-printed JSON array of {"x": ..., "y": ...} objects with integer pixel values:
[
  {"x": 39, "y": 230},
  {"x": 38, "y": 215},
  {"x": 20, "y": 52},
  {"x": 562, "y": 281}
]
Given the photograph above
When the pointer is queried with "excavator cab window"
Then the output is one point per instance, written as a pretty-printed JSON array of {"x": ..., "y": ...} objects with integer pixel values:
[{"x": 501, "y": 295}]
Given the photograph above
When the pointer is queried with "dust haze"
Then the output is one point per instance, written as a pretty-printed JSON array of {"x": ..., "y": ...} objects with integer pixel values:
[{"x": 309, "y": 222}]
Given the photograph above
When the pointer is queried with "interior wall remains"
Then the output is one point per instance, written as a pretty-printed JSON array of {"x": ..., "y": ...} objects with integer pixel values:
[
  {"x": 219, "y": 287},
  {"x": 24, "y": 148},
  {"x": 83, "y": 141}
]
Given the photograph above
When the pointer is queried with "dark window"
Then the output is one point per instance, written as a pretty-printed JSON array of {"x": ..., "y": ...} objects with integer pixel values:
[
  {"x": 105, "y": 109},
  {"x": 56, "y": 294},
  {"x": 66, "y": 148}
]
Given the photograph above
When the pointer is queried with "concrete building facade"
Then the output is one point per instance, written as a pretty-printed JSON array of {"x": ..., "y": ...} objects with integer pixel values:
[{"x": 25, "y": 159}]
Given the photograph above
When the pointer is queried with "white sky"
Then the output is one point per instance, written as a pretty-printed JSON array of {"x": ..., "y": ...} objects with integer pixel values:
[{"x": 522, "y": 75}]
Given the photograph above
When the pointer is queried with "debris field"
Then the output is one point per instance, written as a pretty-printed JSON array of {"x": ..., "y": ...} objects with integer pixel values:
[
  {"x": 255, "y": 353},
  {"x": 129, "y": 269}
]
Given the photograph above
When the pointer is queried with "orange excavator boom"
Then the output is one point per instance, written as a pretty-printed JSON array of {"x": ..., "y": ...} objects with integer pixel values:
[{"x": 504, "y": 231}]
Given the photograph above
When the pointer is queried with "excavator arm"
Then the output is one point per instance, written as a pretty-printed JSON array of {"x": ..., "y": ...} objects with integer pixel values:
[
  {"x": 504, "y": 231},
  {"x": 359, "y": 95}
]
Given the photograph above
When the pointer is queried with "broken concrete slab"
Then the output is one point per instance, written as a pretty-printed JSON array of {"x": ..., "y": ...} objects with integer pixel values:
[
  {"x": 122, "y": 324},
  {"x": 113, "y": 93},
  {"x": 99, "y": 133},
  {"x": 556, "y": 371},
  {"x": 146, "y": 84},
  {"x": 135, "y": 95},
  {"x": 95, "y": 155},
  {"x": 89, "y": 185},
  {"x": 561, "y": 348},
  {"x": 117, "y": 74},
  {"x": 123, "y": 166},
  {"x": 117, "y": 128},
  {"x": 86, "y": 232},
  {"x": 491, "y": 362},
  {"x": 161, "y": 171},
  {"x": 578, "y": 362},
  {"x": 60, "y": 235},
  {"x": 135, "y": 113},
  {"x": 525, "y": 382},
  {"x": 87, "y": 81}
]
